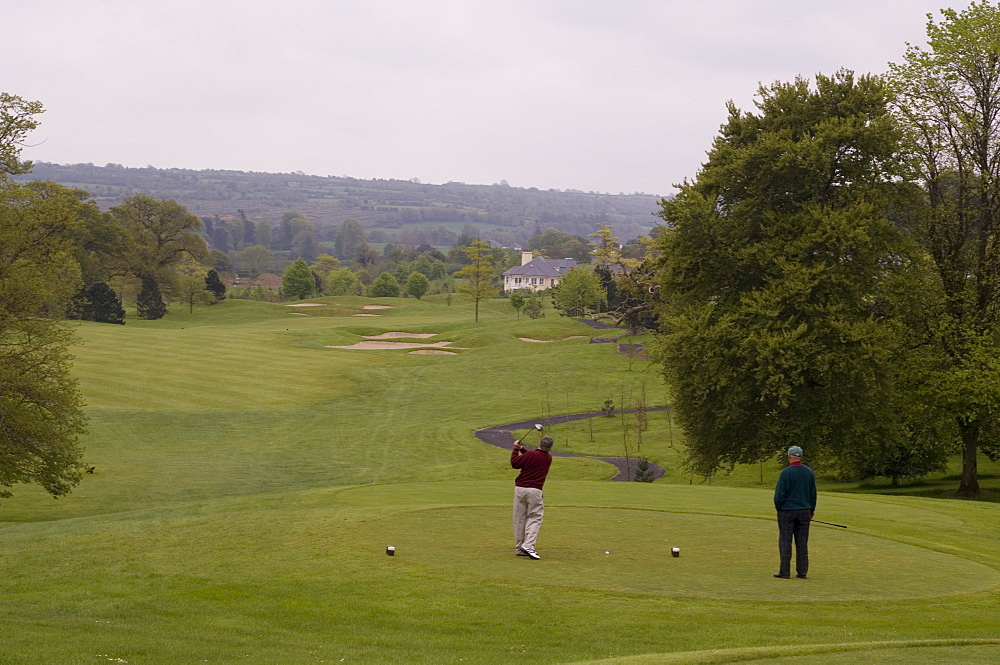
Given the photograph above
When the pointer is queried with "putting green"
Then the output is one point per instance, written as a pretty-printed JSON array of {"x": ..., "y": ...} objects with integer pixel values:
[{"x": 722, "y": 556}]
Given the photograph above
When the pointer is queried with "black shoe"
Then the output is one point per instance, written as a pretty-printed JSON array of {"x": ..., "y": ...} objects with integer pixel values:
[
  {"x": 521, "y": 552},
  {"x": 801, "y": 577},
  {"x": 781, "y": 577}
]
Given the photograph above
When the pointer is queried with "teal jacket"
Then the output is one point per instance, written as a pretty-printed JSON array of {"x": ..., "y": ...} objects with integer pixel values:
[{"x": 796, "y": 489}]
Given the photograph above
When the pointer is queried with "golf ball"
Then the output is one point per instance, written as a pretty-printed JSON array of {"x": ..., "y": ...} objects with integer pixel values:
[{"x": 607, "y": 552}]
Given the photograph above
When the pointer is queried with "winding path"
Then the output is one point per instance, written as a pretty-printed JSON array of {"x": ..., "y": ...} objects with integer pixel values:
[{"x": 502, "y": 436}]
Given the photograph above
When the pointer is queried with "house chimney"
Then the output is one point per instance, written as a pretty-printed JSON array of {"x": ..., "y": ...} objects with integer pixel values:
[{"x": 526, "y": 256}]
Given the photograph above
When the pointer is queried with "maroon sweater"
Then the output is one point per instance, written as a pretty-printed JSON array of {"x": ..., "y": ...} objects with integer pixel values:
[{"x": 534, "y": 466}]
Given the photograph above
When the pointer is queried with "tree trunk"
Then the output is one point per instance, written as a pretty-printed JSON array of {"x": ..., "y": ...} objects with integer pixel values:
[{"x": 969, "y": 486}]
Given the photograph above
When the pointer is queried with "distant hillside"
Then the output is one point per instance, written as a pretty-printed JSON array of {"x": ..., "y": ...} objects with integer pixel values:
[{"x": 507, "y": 215}]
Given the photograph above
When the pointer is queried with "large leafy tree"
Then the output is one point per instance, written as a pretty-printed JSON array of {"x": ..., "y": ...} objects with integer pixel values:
[
  {"x": 630, "y": 285},
  {"x": 949, "y": 102},
  {"x": 772, "y": 261},
  {"x": 349, "y": 236},
  {"x": 342, "y": 282},
  {"x": 41, "y": 414},
  {"x": 479, "y": 275},
  {"x": 17, "y": 119},
  {"x": 556, "y": 244},
  {"x": 579, "y": 292},
  {"x": 417, "y": 284},
  {"x": 162, "y": 236},
  {"x": 384, "y": 286},
  {"x": 298, "y": 281}
]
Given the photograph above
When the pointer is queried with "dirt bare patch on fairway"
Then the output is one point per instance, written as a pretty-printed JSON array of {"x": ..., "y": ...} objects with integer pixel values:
[{"x": 546, "y": 341}]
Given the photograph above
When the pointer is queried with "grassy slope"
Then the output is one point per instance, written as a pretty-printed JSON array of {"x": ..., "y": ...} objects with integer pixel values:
[{"x": 248, "y": 480}]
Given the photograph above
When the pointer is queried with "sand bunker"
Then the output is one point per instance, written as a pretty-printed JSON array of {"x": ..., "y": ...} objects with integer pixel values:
[
  {"x": 546, "y": 341},
  {"x": 375, "y": 345},
  {"x": 378, "y": 307},
  {"x": 433, "y": 352},
  {"x": 396, "y": 335},
  {"x": 305, "y": 304}
]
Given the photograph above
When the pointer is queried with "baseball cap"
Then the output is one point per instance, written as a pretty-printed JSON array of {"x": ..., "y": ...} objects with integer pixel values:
[{"x": 795, "y": 451}]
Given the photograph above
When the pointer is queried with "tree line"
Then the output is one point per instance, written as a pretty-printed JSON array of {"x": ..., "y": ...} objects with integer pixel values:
[
  {"x": 830, "y": 277},
  {"x": 390, "y": 210}
]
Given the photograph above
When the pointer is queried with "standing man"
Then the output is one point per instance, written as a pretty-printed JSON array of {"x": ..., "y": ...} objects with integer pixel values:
[
  {"x": 528, "y": 507},
  {"x": 795, "y": 501}
]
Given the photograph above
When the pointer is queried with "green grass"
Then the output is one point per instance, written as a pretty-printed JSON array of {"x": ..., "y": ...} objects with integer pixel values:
[{"x": 248, "y": 480}]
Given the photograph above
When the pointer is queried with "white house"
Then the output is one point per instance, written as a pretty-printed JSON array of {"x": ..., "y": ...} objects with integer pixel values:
[{"x": 536, "y": 274}]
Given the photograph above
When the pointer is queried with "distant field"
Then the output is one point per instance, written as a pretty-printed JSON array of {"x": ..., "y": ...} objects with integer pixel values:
[{"x": 248, "y": 479}]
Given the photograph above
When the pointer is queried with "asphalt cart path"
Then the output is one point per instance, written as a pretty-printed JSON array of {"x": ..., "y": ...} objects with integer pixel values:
[{"x": 502, "y": 436}]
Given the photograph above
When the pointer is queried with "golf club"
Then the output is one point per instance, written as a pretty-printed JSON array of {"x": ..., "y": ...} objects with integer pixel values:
[
  {"x": 538, "y": 426},
  {"x": 830, "y": 523}
]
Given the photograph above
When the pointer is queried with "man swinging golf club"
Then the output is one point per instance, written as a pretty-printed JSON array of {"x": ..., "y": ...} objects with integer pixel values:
[
  {"x": 528, "y": 506},
  {"x": 795, "y": 501}
]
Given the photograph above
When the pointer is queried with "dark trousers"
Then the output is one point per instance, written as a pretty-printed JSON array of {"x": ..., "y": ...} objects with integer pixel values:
[{"x": 794, "y": 525}]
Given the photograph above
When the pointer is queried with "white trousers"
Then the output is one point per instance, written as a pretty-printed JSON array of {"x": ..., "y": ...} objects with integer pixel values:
[{"x": 528, "y": 511}]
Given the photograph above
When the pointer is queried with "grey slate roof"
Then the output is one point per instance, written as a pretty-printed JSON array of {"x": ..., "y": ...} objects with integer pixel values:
[{"x": 542, "y": 267}]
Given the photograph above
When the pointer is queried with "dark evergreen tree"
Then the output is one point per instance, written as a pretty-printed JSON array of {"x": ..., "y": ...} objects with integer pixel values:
[
  {"x": 215, "y": 286},
  {"x": 149, "y": 304},
  {"x": 99, "y": 303}
]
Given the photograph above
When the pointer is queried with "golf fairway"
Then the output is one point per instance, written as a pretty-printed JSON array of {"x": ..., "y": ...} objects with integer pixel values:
[{"x": 248, "y": 478}]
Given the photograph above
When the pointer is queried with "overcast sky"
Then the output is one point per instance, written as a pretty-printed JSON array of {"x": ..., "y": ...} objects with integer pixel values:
[{"x": 596, "y": 95}]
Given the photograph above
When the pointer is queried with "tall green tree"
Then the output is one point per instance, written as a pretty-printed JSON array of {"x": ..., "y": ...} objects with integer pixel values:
[
  {"x": 479, "y": 275},
  {"x": 41, "y": 415},
  {"x": 579, "y": 292},
  {"x": 215, "y": 286},
  {"x": 17, "y": 120},
  {"x": 298, "y": 281},
  {"x": 384, "y": 286},
  {"x": 417, "y": 285},
  {"x": 949, "y": 102},
  {"x": 193, "y": 290},
  {"x": 292, "y": 224},
  {"x": 771, "y": 263},
  {"x": 630, "y": 285},
  {"x": 149, "y": 303},
  {"x": 342, "y": 282},
  {"x": 98, "y": 303},
  {"x": 349, "y": 236},
  {"x": 255, "y": 259},
  {"x": 162, "y": 236}
]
